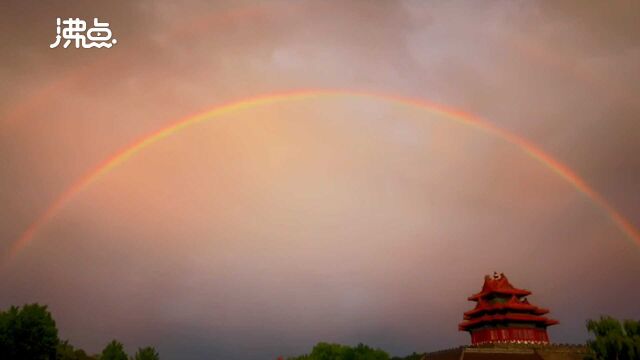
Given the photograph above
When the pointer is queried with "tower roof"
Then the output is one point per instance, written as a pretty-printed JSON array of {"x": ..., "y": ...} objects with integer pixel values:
[
  {"x": 498, "y": 284},
  {"x": 514, "y": 304}
]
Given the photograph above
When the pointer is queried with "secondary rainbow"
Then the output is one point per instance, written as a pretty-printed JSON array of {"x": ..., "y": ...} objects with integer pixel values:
[{"x": 451, "y": 114}]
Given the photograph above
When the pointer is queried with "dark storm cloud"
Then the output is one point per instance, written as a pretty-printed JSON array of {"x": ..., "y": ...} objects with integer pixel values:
[{"x": 28, "y": 27}]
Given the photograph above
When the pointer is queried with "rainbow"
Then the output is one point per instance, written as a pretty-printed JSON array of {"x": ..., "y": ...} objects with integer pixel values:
[{"x": 469, "y": 120}]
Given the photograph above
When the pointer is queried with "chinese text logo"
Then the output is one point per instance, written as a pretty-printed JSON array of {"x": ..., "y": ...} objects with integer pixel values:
[{"x": 76, "y": 30}]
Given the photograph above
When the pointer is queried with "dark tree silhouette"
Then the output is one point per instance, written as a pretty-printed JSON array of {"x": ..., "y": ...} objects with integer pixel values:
[
  {"x": 147, "y": 353},
  {"x": 114, "y": 351},
  {"x": 326, "y": 351},
  {"x": 413, "y": 356},
  {"x": 28, "y": 333},
  {"x": 66, "y": 351}
]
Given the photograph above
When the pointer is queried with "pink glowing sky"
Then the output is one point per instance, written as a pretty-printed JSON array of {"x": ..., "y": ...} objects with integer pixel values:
[{"x": 341, "y": 219}]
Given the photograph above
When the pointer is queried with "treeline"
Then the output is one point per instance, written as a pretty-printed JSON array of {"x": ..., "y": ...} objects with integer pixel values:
[
  {"x": 614, "y": 339},
  {"x": 30, "y": 332},
  {"x": 327, "y": 351}
]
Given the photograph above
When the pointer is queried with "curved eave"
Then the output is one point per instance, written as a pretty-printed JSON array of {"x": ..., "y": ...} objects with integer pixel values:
[
  {"x": 517, "y": 292},
  {"x": 491, "y": 319},
  {"x": 507, "y": 306}
]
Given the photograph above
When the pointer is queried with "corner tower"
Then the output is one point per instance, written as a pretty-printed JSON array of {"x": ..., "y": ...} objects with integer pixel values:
[{"x": 504, "y": 315}]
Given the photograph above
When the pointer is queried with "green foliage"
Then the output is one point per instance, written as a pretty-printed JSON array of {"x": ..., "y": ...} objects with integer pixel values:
[
  {"x": 114, "y": 351},
  {"x": 66, "y": 351},
  {"x": 632, "y": 328},
  {"x": 614, "y": 340},
  {"x": 413, "y": 356},
  {"x": 326, "y": 351},
  {"x": 28, "y": 333},
  {"x": 147, "y": 353}
]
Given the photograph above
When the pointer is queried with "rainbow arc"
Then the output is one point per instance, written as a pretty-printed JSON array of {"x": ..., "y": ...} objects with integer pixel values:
[{"x": 451, "y": 114}]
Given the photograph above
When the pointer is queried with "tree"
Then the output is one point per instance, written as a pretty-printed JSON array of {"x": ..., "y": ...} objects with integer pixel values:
[
  {"x": 147, "y": 353},
  {"x": 326, "y": 351},
  {"x": 413, "y": 356},
  {"x": 614, "y": 340},
  {"x": 114, "y": 351},
  {"x": 28, "y": 333},
  {"x": 364, "y": 352},
  {"x": 66, "y": 351}
]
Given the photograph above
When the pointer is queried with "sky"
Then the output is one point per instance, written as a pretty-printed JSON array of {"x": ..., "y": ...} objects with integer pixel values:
[{"x": 348, "y": 219}]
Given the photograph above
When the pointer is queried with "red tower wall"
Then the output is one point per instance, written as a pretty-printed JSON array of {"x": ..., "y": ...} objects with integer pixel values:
[{"x": 511, "y": 335}]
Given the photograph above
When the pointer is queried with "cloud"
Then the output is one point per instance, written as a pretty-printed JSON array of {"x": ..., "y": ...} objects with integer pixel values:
[{"x": 338, "y": 219}]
